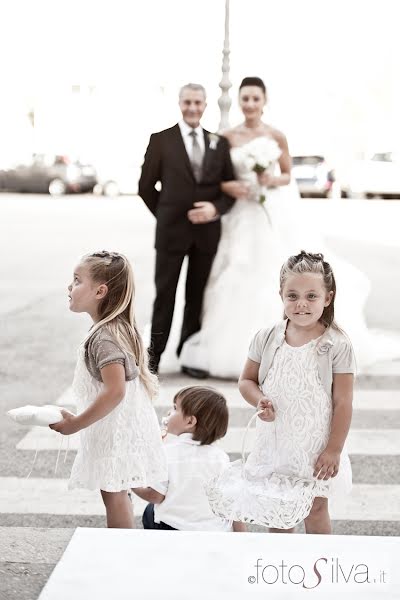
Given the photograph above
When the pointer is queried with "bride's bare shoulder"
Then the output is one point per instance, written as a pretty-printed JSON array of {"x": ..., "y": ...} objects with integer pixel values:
[
  {"x": 278, "y": 135},
  {"x": 233, "y": 135},
  {"x": 228, "y": 133}
]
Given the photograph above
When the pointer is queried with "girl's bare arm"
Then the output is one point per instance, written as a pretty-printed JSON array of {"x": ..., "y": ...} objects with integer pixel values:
[
  {"x": 111, "y": 395},
  {"x": 328, "y": 462},
  {"x": 342, "y": 400},
  {"x": 248, "y": 386}
]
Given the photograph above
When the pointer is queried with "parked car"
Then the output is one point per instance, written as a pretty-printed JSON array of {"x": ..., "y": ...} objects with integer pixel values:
[
  {"x": 115, "y": 180},
  {"x": 313, "y": 175},
  {"x": 45, "y": 173},
  {"x": 378, "y": 176}
]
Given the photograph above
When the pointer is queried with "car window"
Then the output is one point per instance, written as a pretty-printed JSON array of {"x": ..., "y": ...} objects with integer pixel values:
[
  {"x": 383, "y": 156},
  {"x": 307, "y": 160},
  {"x": 12, "y": 162}
]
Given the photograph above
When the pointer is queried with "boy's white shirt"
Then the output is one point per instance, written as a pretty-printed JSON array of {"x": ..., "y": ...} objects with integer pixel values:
[{"x": 190, "y": 466}]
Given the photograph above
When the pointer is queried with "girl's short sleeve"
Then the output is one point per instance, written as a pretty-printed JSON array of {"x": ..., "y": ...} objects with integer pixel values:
[
  {"x": 257, "y": 345},
  {"x": 343, "y": 357},
  {"x": 102, "y": 350},
  {"x": 106, "y": 352}
]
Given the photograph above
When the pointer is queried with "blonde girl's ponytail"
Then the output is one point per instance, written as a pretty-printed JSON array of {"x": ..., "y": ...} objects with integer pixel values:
[{"x": 117, "y": 311}]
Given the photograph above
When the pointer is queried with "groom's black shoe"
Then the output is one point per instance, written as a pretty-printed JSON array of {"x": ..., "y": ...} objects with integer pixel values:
[{"x": 196, "y": 373}]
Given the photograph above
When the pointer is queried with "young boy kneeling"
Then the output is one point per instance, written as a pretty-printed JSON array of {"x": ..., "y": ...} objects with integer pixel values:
[{"x": 199, "y": 418}]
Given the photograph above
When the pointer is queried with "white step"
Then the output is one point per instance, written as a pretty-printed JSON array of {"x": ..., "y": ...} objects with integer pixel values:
[{"x": 120, "y": 563}]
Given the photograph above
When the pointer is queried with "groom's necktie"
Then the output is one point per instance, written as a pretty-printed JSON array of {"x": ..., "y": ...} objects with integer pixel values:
[{"x": 197, "y": 157}]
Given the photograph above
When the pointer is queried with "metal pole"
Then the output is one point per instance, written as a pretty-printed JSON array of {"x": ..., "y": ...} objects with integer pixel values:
[{"x": 224, "y": 100}]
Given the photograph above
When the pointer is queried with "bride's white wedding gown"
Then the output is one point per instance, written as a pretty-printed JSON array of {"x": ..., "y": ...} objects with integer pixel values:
[{"x": 242, "y": 294}]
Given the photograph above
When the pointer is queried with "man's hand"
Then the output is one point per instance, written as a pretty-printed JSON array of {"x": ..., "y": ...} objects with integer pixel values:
[
  {"x": 204, "y": 212},
  {"x": 68, "y": 425}
]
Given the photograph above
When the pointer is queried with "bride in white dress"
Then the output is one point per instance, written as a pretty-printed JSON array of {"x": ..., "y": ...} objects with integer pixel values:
[{"x": 242, "y": 293}]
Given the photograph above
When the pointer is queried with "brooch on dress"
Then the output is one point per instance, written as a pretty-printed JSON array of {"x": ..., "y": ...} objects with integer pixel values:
[{"x": 324, "y": 346}]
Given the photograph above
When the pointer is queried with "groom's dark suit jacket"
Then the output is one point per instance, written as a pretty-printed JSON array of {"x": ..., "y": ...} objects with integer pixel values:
[{"x": 166, "y": 160}]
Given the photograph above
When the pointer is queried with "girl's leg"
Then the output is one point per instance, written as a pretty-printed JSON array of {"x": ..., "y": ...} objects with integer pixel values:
[
  {"x": 274, "y": 530},
  {"x": 118, "y": 509},
  {"x": 318, "y": 521}
]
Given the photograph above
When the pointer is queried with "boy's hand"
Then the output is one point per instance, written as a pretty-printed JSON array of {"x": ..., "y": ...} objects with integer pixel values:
[
  {"x": 327, "y": 465},
  {"x": 69, "y": 424},
  {"x": 268, "y": 413}
]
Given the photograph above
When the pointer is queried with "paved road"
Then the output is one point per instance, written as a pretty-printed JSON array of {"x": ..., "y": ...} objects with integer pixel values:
[{"x": 40, "y": 240}]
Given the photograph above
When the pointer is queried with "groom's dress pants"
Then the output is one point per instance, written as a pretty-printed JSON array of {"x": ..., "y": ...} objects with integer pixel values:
[{"x": 168, "y": 268}]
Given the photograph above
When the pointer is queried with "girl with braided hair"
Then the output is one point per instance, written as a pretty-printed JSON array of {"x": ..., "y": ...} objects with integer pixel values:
[
  {"x": 121, "y": 446},
  {"x": 300, "y": 374}
]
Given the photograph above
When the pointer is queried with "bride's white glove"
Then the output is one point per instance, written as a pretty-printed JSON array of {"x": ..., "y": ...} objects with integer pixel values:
[{"x": 236, "y": 189}]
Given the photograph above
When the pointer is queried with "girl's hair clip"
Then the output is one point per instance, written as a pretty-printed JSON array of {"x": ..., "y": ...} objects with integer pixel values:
[{"x": 106, "y": 254}]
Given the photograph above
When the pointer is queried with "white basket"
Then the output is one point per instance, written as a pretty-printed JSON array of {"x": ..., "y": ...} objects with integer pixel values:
[{"x": 279, "y": 501}]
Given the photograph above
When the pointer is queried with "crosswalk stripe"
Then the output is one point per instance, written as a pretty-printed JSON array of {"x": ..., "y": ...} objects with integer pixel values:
[
  {"x": 359, "y": 441},
  {"x": 51, "y": 496},
  {"x": 363, "y": 399},
  {"x": 373, "y": 442},
  {"x": 44, "y": 438}
]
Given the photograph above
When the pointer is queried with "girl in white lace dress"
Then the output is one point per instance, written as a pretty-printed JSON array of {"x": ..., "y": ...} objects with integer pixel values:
[
  {"x": 300, "y": 373},
  {"x": 121, "y": 445}
]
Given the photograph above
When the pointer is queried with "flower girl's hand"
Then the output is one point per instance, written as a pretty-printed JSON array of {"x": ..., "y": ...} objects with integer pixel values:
[
  {"x": 268, "y": 413},
  {"x": 327, "y": 465},
  {"x": 68, "y": 425}
]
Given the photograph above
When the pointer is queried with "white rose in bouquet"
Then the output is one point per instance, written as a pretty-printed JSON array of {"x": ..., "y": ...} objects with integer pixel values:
[{"x": 261, "y": 153}]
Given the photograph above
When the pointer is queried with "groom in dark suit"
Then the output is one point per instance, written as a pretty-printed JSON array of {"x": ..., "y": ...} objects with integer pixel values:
[{"x": 190, "y": 163}]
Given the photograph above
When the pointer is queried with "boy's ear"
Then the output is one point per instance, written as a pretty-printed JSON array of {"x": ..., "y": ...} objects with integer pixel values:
[
  {"x": 102, "y": 291},
  {"x": 191, "y": 421}
]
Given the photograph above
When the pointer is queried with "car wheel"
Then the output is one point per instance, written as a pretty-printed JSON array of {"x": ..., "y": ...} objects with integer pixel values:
[
  {"x": 57, "y": 187},
  {"x": 111, "y": 188}
]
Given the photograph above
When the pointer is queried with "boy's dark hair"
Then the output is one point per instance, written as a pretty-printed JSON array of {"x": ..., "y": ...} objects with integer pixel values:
[{"x": 210, "y": 409}]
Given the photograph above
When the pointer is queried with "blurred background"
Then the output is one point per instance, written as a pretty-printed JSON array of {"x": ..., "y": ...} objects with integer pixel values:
[{"x": 85, "y": 83}]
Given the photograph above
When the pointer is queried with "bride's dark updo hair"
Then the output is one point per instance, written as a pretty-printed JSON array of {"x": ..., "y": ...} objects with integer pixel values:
[{"x": 254, "y": 81}]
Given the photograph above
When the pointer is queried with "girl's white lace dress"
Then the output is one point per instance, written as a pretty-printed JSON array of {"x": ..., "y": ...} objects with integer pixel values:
[
  {"x": 122, "y": 450},
  {"x": 291, "y": 444}
]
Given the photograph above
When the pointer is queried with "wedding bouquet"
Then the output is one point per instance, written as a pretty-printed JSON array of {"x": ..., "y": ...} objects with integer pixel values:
[{"x": 261, "y": 153}]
